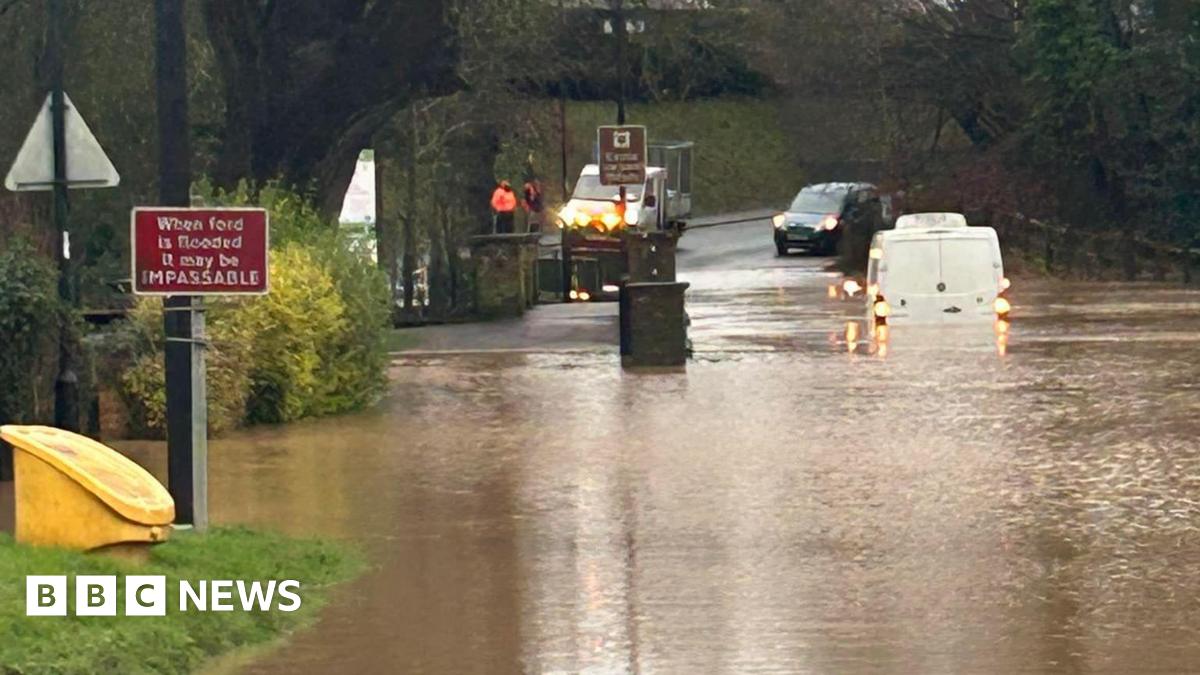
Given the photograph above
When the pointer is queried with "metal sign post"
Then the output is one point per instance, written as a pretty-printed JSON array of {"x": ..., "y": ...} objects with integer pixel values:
[
  {"x": 66, "y": 385},
  {"x": 58, "y": 154},
  {"x": 187, "y": 404}
]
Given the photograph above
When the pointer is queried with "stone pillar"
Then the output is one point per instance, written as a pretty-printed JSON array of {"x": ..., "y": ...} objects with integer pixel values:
[
  {"x": 651, "y": 256},
  {"x": 503, "y": 273},
  {"x": 654, "y": 325},
  {"x": 529, "y": 267}
]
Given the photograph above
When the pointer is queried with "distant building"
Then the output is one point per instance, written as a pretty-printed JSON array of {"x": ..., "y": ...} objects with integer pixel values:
[
  {"x": 357, "y": 219},
  {"x": 359, "y": 203}
]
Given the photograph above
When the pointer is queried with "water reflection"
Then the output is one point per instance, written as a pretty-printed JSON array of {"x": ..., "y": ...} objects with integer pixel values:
[{"x": 932, "y": 340}]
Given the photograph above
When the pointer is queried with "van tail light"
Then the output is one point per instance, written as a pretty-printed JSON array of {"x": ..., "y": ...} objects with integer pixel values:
[{"x": 1001, "y": 304}]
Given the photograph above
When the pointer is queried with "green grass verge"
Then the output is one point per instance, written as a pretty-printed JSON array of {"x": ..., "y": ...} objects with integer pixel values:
[
  {"x": 180, "y": 642},
  {"x": 743, "y": 157}
]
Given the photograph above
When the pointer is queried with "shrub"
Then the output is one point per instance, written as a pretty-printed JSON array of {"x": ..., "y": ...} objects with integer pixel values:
[
  {"x": 355, "y": 361},
  {"x": 292, "y": 333},
  {"x": 29, "y": 318},
  {"x": 142, "y": 383}
]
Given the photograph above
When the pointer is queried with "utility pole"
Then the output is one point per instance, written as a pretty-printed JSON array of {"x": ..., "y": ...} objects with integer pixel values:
[
  {"x": 183, "y": 317},
  {"x": 619, "y": 31},
  {"x": 66, "y": 385},
  {"x": 562, "y": 109},
  {"x": 562, "y": 120}
]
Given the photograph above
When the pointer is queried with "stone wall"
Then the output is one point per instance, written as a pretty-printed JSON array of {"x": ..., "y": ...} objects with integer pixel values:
[{"x": 504, "y": 274}]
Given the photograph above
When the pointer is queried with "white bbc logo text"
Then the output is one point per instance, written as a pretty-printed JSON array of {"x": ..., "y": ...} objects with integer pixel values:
[
  {"x": 95, "y": 595},
  {"x": 146, "y": 595}
]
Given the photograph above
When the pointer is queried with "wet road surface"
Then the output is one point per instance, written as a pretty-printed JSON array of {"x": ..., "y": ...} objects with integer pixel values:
[{"x": 791, "y": 503}]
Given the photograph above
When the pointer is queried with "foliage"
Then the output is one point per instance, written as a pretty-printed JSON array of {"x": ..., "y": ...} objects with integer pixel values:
[
  {"x": 1101, "y": 95},
  {"x": 292, "y": 333},
  {"x": 178, "y": 642},
  {"x": 297, "y": 106},
  {"x": 315, "y": 345},
  {"x": 29, "y": 320},
  {"x": 225, "y": 364},
  {"x": 354, "y": 356},
  {"x": 1114, "y": 104}
]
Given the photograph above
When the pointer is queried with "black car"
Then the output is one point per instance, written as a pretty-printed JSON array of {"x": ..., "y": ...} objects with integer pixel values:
[{"x": 821, "y": 214}]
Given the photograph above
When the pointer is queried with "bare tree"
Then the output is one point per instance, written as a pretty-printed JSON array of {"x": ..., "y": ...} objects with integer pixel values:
[{"x": 309, "y": 82}]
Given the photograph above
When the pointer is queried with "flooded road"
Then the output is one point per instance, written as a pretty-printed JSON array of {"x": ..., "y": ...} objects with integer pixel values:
[{"x": 788, "y": 504}]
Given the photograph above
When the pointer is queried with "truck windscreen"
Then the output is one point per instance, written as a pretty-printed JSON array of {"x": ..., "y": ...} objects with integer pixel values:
[{"x": 589, "y": 187}]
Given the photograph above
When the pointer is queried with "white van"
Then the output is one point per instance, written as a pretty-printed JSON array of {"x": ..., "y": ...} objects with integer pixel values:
[{"x": 933, "y": 268}]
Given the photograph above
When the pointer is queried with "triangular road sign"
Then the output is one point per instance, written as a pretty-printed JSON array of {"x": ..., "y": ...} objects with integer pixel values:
[{"x": 87, "y": 165}]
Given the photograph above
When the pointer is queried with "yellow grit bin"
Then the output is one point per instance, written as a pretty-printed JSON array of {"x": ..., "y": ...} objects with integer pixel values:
[{"x": 73, "y": 492}]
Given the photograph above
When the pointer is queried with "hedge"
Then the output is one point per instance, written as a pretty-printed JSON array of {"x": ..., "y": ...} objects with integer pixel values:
[{"x": 29, "y": 319}]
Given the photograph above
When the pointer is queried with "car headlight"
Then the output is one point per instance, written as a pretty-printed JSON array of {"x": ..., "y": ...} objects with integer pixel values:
[{"x": 779, "y": 221}]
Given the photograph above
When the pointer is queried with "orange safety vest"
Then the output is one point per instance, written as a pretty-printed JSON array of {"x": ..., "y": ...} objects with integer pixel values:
[{"x": 504, "y": 201}]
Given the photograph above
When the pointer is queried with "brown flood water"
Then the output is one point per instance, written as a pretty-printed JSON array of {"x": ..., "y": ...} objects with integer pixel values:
[{"x": 786, "y": 505}]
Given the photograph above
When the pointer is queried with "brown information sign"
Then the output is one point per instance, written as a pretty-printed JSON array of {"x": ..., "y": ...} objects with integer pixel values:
[{"x": 622, "y": 155}]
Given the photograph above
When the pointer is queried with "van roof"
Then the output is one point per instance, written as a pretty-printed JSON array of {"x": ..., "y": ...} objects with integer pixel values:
[
  {"x": 594, "y": 170},
  {"x": 938, "y": 221},
  {"x": 970, "y": 232}
]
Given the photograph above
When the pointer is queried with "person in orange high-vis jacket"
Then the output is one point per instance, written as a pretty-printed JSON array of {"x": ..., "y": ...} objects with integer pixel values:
[{"x": 504, "y": 204}]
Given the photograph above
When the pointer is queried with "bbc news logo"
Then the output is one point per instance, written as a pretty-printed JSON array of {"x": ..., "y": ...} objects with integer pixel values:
[{"x": 146, "y": 595}]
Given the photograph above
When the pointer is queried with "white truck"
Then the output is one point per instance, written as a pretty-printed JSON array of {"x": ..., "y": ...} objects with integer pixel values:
[
  {"x": 663, "y": 202},
  {"x": 593, "y": 224}
]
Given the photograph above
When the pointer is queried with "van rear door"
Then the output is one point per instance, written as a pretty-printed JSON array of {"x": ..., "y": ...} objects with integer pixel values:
[{"x": 942, "y": 277}]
